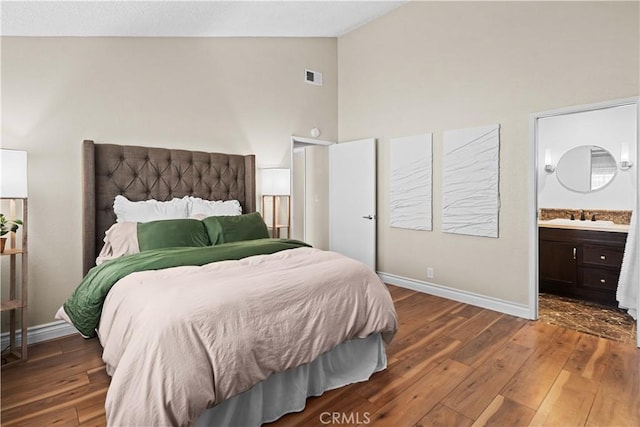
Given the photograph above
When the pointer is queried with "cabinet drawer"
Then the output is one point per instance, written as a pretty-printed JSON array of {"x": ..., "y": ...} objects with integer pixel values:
[
  {"x": 600, "y": 279},
  {"x": 609, "y": 256}
]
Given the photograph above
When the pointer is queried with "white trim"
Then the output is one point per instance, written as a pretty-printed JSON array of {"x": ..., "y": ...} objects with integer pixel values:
[
  {"x": 495, "y": 304},
  {"x": 310, "y": 141},
  {"x": 587, "y": 107},
  {"x": 533, "y": 218},
  {"x": 39, "y": 333},
  {"x": 637, "y": 212}
]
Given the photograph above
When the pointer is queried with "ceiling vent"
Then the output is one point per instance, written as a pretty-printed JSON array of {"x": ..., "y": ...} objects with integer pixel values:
[{"x": 313, "y": 77}]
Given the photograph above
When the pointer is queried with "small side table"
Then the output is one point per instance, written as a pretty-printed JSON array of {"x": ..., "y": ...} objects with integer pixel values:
[{"x": 14, "y": 353}]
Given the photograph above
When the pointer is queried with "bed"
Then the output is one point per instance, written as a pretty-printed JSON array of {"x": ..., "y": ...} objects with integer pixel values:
[{"x": 253, "y": 336}]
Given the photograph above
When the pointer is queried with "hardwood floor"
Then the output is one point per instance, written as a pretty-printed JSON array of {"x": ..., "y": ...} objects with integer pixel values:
[{"x": 450, "y": 364}]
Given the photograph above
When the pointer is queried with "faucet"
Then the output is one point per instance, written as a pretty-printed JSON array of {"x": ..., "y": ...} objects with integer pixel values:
[{"x": 582, "y": 217}]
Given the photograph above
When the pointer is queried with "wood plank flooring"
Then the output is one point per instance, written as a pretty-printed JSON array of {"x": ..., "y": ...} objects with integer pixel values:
[{"x": 450, "y": 364}]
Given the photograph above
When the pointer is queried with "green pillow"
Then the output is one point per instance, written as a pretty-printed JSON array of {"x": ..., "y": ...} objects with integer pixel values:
[
  {"x": 171, "y": 233},
  {"x": 225, "y": 229}
]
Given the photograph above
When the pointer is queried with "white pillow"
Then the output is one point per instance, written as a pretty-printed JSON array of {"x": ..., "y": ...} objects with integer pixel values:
[
  {"x": 198, "y": 206},
  {"x": 149, "y": 210},
  {"x": 120, "y": 239}
]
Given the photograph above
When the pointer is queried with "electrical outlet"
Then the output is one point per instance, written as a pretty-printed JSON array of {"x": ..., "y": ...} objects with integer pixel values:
[{"x": 430, "y": 272}]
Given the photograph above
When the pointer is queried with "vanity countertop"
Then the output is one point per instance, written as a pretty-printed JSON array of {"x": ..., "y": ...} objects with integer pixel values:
[{"x": 585, "y": 225}]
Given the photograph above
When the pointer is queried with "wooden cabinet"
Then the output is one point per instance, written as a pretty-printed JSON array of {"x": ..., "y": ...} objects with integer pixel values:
[
  {"x": 558, "y": 265},
  {"x": 582, "y": 264},
  {"x": 16, "y": 300}
]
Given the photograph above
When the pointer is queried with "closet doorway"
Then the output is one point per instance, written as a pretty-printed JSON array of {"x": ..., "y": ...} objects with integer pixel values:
[
  {"x": 310, "y": 191},
  {"x": 597, "y": 144}
]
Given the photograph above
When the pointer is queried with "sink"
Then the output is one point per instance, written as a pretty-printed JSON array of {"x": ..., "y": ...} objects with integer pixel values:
[
  {"x": 578, "y": 223},
  {"x": 585, "y": 225}
]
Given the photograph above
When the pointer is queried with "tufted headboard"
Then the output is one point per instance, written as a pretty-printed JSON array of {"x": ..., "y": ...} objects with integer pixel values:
[{"x": 142, "y": 173}]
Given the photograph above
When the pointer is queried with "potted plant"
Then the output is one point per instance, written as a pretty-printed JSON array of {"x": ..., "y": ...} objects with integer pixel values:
[{"x": 6, "y": 226}]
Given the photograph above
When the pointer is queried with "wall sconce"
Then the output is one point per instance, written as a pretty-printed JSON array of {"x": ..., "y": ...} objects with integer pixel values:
[
  {"x": 276, "y": 188},
  {"x": 624, "y": 163},
  {"x": 548, "y": 163}
]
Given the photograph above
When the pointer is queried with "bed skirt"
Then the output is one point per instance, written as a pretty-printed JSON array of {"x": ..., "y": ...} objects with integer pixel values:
[{"x": 352, "y": 361}]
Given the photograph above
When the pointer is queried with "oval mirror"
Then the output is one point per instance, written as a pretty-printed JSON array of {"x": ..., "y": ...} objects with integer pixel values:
[{"x": 586, "y": 168}]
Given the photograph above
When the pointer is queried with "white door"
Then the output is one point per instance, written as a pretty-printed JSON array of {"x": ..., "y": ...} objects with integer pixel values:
[{"x": 352, "y": 200}]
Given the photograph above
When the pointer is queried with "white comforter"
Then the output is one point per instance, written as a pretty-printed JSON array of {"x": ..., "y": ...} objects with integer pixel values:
[{"x": 179, "y": 340}]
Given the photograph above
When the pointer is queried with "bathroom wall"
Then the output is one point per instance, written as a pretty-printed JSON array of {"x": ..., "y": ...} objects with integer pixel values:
[{"x": 608, "y": 128}]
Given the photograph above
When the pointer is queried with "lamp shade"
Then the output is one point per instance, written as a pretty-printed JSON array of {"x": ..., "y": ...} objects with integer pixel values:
[
  {"x": 13, "y": 174},
  {"x": 276, "y": 182}
]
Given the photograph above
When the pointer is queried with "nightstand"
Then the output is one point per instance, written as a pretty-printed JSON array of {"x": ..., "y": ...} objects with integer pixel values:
[
  {"x": 18, "y": 292},
  {"x": 13, "y": 189}
]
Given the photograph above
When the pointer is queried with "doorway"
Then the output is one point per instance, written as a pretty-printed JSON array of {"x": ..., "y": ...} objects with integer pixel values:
[
  {"x": 334, "y": 196},
  {"x": 310, "y": 191},
  {"x": 556, "y": 137}
]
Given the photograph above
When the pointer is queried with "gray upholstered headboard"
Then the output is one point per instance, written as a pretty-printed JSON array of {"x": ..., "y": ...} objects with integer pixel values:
[{"x": 142, "y": 173}]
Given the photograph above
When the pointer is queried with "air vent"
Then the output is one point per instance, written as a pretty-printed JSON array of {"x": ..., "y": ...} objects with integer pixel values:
[{"x": 313, "y": 77}]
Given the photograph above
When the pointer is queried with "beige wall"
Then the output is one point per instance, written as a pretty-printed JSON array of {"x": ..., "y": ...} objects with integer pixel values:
[
  {"x": 241, "y": 95},
  {"x": 434, "y": 66}
]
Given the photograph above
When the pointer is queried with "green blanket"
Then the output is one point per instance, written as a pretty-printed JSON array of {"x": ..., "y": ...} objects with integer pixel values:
[{"x": 84, "y": 307}]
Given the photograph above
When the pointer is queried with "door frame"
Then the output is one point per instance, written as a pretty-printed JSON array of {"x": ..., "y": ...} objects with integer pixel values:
[
  {"x": 298, "y": 142},
  {"x": 533, "y": 187}
]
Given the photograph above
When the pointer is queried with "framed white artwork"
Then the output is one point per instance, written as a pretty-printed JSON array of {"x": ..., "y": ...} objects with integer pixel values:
[
  {"x": 411, "y": 178},
  {"x": 470, "y": 179}
]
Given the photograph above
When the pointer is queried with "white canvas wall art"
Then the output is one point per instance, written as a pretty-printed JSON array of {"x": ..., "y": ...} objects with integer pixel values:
[
  {"x": 471, "y": 170},
  {"x": 411, "y": 182}
]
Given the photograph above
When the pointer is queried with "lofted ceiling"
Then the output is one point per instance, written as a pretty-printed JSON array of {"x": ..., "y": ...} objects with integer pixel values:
[{"x": 182, "y": 18}]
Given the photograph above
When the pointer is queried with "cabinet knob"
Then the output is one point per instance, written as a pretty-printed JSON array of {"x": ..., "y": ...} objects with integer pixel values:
[
  {"x": 574, "y": 253},
  {"x": 602, "y": 281},
  {"x": 603, "y": 257}
]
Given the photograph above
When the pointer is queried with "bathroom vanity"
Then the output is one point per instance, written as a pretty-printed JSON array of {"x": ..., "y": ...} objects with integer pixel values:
[{"x": 581, "y": 259}]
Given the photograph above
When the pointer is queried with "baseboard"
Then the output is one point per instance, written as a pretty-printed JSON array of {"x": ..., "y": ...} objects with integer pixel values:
[
  {"x": 39, "y": 333},
  {"x": 495, "y": 304}
]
